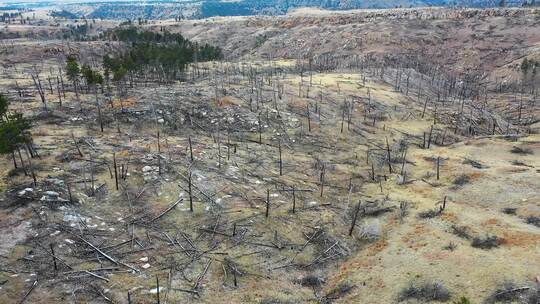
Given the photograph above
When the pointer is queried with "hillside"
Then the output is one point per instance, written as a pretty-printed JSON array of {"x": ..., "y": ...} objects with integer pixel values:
[
  {"x": 365, "y": 156},
  {"x": 488, "y": 43},
  {"x": 197, "y": 9}
]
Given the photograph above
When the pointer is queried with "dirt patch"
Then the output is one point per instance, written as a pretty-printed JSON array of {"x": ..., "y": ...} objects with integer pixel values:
[
  {"x": 519, "y": 239},
  {"x": 14, "y": 234}
]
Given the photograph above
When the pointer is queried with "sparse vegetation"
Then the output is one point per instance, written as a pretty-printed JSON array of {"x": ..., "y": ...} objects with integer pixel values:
[
  {"x": 425, "y": 292},
  {"x": 450, "y": 247},
  {"x": 403, "y": 210},
  {"x": 461, "y": 231},
  {"x": 260, "y": 40},
  {"x": 463, "y": 300},
  {"x": 275, "y": 301}
]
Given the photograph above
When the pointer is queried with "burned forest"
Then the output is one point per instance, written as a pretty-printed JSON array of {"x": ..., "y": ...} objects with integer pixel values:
[{"x": 370, "y": 156}]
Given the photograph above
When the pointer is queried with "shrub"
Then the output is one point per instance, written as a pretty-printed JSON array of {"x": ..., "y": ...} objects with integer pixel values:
[
  {"x": 260, "y": 40},
  {"x": 510, "y": 292},
  {"x": 519, "y": 163},
  {"x": 371, "y": 230},
  {"x": 450, "y": 247},
  {"x": 461, "y": 180},
  {"x": 507, "y": 292},
  {"x": 337, "y": 292},
  {"x": 425, "y": 292},
  {"x": 487, "y": 242},
  {"x": 534, "y": 220},
  {"x": 311, "y": 281},
  {"x": 509, "y": 210},
  {"x": 474, "y": 164},
  {"x": 461, "y": 231},
  {"x": 429, "y": 214},
  {"x": 403, "y": 209},
  {"x": 519, "y": 150},
  {"x": 533, "y": 296}
]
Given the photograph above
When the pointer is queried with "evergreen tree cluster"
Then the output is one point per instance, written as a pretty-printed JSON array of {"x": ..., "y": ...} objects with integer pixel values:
[
  {"x": 79, "y": 31},
  {"x": 75, "y": 73},
  {"x": 92, "y": 77},
  {"x": 167, "y": 52},
  {"x": 63, "y": 14},
  {"x": 7, "y": 17},
  {"x": 14, "y": 128},
  {"x": 72, "y": 68},
  {"x": 530, "y": 3},
  {"x": 530, "y": 65}
]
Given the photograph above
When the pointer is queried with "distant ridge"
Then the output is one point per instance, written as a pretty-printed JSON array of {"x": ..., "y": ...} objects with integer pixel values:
[{"x": 196, "y": 9}]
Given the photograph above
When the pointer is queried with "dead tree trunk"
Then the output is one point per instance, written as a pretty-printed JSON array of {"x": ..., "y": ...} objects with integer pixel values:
[
  {"x": 355, "y": 217},
  {"x": 190, "y": 192},
  {"x": 267, "y": 203}
]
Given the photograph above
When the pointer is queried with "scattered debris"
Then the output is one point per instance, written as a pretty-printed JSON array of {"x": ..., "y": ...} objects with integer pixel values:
[
  {"x": 338, "y": 292},
  {"x": 508, "y": 292},
  {"x": 474, "y": 164}
]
